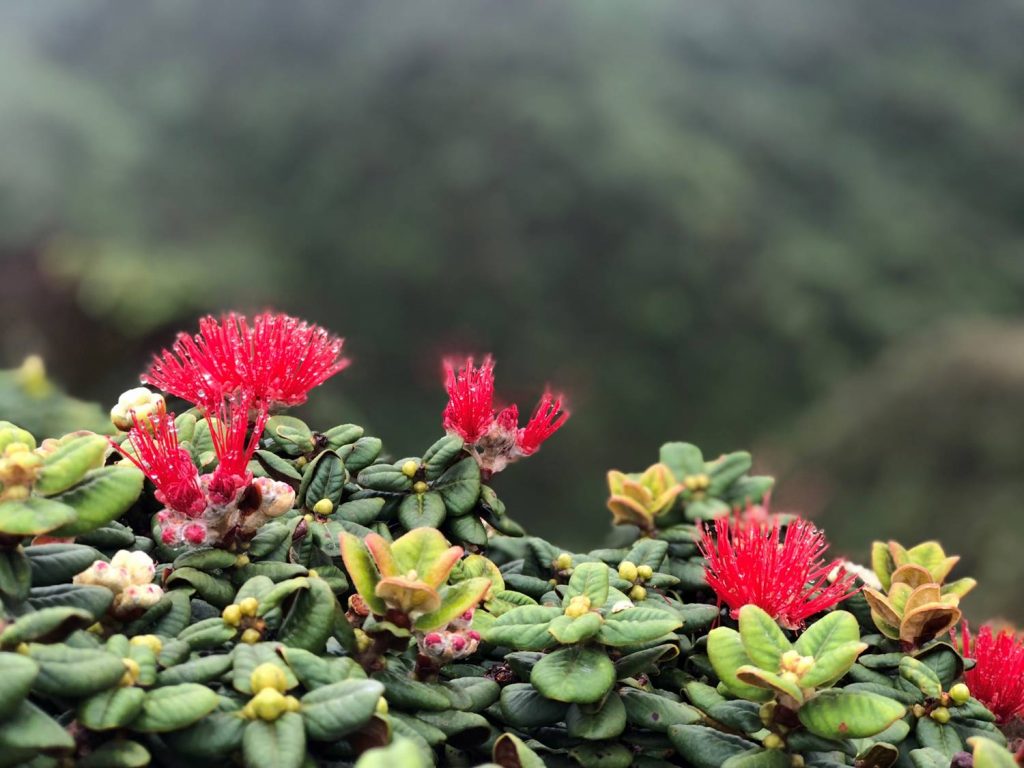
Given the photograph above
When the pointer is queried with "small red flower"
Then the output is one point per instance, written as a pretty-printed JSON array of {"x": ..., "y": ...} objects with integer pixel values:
[
  {"x": 229, "y": 427},
  {"x": 997, "y": 679},
  {"x": 495, "y": 439},
  {"x": 274, "y": 361},
  {"x": 470, "y": 410},
  {"x": 749, "y": 562},
  {"x": 156, "y": 452}
]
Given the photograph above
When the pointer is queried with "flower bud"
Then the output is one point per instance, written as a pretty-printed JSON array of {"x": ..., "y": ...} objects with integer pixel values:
[
  {"x": 578, "y": 605},
  {"x": 232, "y": 615},
  {"x": 637, "y": 593},
  {"x": 131, "y": 673},
  {"x": 154, "y": 643},
  {"x": 773, "y": 741},
  {"x": 251, "y": 636},
  {"x": 269, "y": 704},
  {"x": 268, "y": 675},
  {"x": 138, "y": 565},
  {"x": 144, "y": 402},
  {"x": 194, "y": 533},
  {"x": 960, "y": 693},
  {"x": 564, "y": 561},
  {"x": 420, "y": 487},
  {"x": 136, "y": 598},
  {"x": 381, "y": 708},
  {"x": 409, "y": 468},
  {"x": 293, "y": 704},
  {"x": 249, "y": 606},
  {"x": 644, "y": 572},
  {"x": 276, "y": 497},
  {"x": 241, "y": 561},
  {"x": 940, "y": 715},
  {"x": 628, "y": 571},
  {"x": 324, "y": 507}
]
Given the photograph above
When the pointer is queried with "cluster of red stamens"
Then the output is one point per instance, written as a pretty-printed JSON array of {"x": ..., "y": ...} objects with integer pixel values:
[
  {"x": 494, "y": 437},
  {"x": 749, "y": 561},
  {"x": 997, "y": 678}
]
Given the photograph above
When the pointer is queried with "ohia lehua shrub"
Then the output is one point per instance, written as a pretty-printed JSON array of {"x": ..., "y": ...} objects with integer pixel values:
[{"x": 222, "y": 584}]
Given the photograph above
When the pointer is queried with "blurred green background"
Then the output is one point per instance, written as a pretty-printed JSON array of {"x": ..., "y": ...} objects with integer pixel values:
[{"x": 796, "y": 227}]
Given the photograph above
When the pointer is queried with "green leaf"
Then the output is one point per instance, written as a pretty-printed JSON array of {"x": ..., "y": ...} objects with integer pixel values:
[
  {"x": 206, "y": 559},
  {"x": 828, "y": 633},
  {"x": 837, "y": 714},
  {"x": 102, "y": 496},
  {"x": 277, "y": 466},
  {"x": 116, "y": 754},
  {"x": 332, "y": 712},
  {"x": 114, "y": 708},
  {"x": 66, "y": 672},
  {"x": 727, "y": 655},
  {"x": 59, "y": 563},
  {"x": 29, "y": 728},
  {"x": 361, "y": 511},
  {"x": 174, "y": 707},
  {"x": 325, "y": 479},
  {"x": 575, "y": 674},
  {"x": 762, "y": 639},
  {"x": 18, "y": 673},
  {"x": 456, "y": 599},
  {"x": 832, "y": 665},
  {"x": 940, "y": 737},
  {"x": 467, "y": 529},
  {"x": 568, "y": 630},
  {"x": 213, "y": 589},
  {"x": 310, "y": 620},
  {"x": 362, "y": 571},
  {"x": 705, "y": 747},
  {"x": 988, "y": 754},
  {"x": 762, "y": 678},
  {"x": 33, "y": 516},
  {"x": 386, "y": 478},
  {"x": 440, "y": 455},
  {"x": 247, "y": 657},
  {"x": 401, "y": 753},
  {"x": 278, "y": 744},
  {"x": 46, "y": 625},
  {"x": 215, "y": 736},
  {"x": 69, "y": 463},
  {"x": 727, "y": 470},
  {"x": 524, "y": 628},
  {"x": 921, "y": 675},
  {"x": 637, "y": 625},
  {"x": 361, "y": 453},
  {"x": 473, "y": 694},
  {"x": 590, "y": 580},
  {"x": 290, "y": 434},
  {"x": 200, "y": 670},
  {"x": 607, "y": 721},
  {"x": 682, "y": 459},
  {"x": 421, "y": 510},
  {"x": 522, "y": 706},
  {"x": 15, "y": 573},
  {"x": 459, "y": 486},
  {"x": 759, "y": 758},
  {"x": 656, "y": 712},
  {"x": 409, "y": 694}
]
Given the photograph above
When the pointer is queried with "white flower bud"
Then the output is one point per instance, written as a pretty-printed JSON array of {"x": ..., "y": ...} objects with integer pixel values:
[
  {"x": 145, "y": 402},
  {"x": 139, "y": 565}
]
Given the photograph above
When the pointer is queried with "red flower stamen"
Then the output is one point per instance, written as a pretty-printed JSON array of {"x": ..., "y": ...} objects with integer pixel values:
[
  {"x": 547, "y": 419},
  {"x": 748, "y": 562},
  {"x": 997, "y": 679},
  {"x": 275, "y": 361},
  {"x": 157, "y": 453},
  {"x": 228, "y": 429},
  {"x": 470, "y": 410}
]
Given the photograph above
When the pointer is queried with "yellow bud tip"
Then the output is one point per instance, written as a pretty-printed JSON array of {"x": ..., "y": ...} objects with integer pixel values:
[
  {"x": 250, "y": 636},
  {"x": 232, "y": 615},
  {"x": 363, "y": 641},
  {"x": 773, "y": 741},
  {"x": 637, "y": 593},
  {"x": 409, "y": 468},
  {"x": 644, "y": 572},
  {"x": 960, "y": 693},
  {"x": 241, "y": 561},
  {"x": 21, "y": 648},
  {"x": 293, "y": 704},
  {"x": 308, "y": 518},
  {"x": 323, "y": 507},
  {"x": 268, "y": 675},
  {"x": 578, "y": 606},
  {"x": 940, "y": 715},
  {"x": 628, "y": 571},
  {"x": 563, "y": 561},
  {"x": 154, "y": 643},
  {"x": 382, "y": 706},
  {"x": 269, "y": 704},
  {"x": 249, "y": 606},
  {"x": 313, "y": 574},
  {"x": 420, "y": 487}
]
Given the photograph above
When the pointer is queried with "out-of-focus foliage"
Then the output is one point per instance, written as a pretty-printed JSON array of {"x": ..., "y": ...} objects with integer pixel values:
[{"x": 697, "y": 217}]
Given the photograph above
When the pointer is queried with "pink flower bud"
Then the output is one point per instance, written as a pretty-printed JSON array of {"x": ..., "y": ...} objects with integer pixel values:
[
  {"x": 194, "y": 533},
  {"x": 458, "y": 643}
]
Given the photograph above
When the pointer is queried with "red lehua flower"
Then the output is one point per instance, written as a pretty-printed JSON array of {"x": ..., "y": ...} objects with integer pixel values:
[
  {"x": 748, "y": 562},
  {"x": 275, "y": 361},
  {"x": 997, "y": 679},
  {"x": 288, "y": 357},
  {"x": 228, "y": 429},
  {"x": 167, "y": 464},
  {"x": 547, "y": 419},
  {"x": 470, "y": 409}
]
